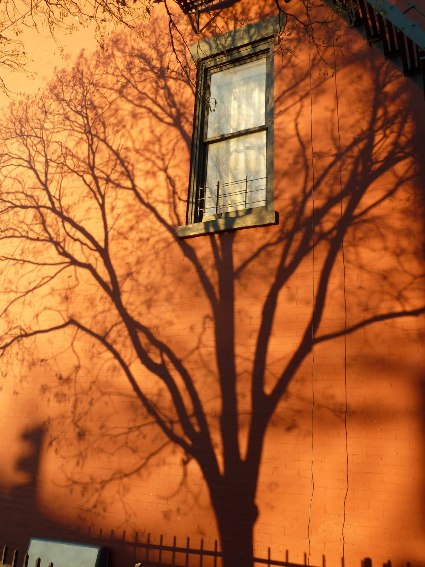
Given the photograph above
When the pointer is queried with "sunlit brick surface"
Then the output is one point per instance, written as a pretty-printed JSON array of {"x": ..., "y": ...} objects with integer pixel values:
[{"x": 342, "y": 466}]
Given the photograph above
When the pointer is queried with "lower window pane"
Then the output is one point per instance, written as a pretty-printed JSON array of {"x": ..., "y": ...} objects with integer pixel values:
[{"x": 236, "y": 174}]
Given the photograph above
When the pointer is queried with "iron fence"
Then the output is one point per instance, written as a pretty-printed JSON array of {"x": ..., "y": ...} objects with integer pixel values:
[
  {"x": 148, "y": 552},
  {"x": 5, "y": 561}
]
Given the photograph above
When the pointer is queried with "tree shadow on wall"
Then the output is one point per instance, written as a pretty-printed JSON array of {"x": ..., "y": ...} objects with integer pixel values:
[{"x": 190, "y": 346}]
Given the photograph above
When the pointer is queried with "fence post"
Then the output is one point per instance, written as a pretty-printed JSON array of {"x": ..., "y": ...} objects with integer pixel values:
[
  {"x": 161, "y": 537},
  {"x": 148, "y": 541},
  {"x": 173, "y": 559},
  {"x": 201, "y": 553},
  {"x": 187, "y": 551}
]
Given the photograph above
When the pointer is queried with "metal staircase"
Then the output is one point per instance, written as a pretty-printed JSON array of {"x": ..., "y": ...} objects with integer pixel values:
[
  {"x": 399, "y": 27},
  {"x": 398, "y": 24}
]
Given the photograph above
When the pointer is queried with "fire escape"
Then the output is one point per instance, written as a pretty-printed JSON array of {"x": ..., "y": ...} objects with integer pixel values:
[{"x": 399, "y": 25}]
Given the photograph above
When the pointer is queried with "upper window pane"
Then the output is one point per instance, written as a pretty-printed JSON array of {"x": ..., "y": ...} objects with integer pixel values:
[{"x": 237, "y": 98}]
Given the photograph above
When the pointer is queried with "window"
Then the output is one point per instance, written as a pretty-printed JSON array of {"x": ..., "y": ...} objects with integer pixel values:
[
  {"x": 235, "y": 140},
  {"x": 231, "y": 184}
]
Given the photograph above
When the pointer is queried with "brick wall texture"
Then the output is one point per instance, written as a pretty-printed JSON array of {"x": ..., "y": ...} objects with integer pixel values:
[{"x": 342, "y": 469}]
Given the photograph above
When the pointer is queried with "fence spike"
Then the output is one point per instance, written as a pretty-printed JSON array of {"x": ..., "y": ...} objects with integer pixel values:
[
  {"x": 201, "y": 553},
  {"x": 14, "y": 558},
  {"x": 187, "y": 551}
]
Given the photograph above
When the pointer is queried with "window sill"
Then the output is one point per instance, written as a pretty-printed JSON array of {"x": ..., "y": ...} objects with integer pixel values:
[{"x": 258, "y": 218}]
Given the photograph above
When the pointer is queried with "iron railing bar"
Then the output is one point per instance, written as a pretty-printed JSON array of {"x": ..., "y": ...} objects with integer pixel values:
[
  {"x": 383, "y": 34},
  {"x": 238, "y": 201},
  {"x": 418, "y": 57},
  {"x": 365, "y": 21},
  {"x": 403, "y": 52},
  {"x": 236, "y": 205},
  {"x": 243, "y": 180},
  {"x": 246, "y": 189},
  {"x": 217, "y": 196},
  {"x": 411, "y": 52},
  {"x": 394, "y": 49},
  {"x": 224, "y": 209},
  {"x": 422, "y": 65},
  {"x": 235, "y": 193},
  {"x": 229, "y": 184},
  {"x": 371, "y": 13}
]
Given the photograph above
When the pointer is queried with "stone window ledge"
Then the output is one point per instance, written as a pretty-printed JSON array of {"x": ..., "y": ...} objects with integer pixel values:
[{"x": 259, "y": 218}]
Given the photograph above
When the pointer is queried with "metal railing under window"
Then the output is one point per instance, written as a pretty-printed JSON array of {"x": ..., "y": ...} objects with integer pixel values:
[{"x": 239, "y": 195}]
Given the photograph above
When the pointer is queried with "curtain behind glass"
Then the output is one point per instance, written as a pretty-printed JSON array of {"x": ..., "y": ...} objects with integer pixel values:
[
  {"x": 237, "y": 98},
  {"x": 238, "y": 165}
]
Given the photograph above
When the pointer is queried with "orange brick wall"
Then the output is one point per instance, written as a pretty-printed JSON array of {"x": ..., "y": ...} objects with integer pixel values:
[{"x": 343, "y": 463}]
